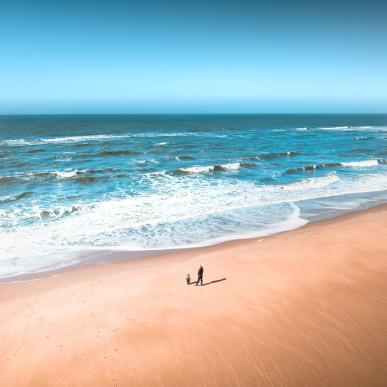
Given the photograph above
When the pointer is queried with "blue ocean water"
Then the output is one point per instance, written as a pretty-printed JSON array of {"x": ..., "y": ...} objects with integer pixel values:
[{"x": 74, "y": 184}]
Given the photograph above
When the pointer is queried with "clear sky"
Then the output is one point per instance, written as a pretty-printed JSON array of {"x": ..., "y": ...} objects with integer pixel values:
[{"x": 116, "y": 56}]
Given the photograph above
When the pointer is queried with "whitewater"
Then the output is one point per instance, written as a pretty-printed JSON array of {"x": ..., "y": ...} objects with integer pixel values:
[{"x": 75, "y": 186}]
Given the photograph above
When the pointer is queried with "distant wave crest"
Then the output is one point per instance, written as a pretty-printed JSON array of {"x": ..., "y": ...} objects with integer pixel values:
[
  {"x": 381, "y": 128},
  {"x": 352, "y": 164},
  {"x": 361, "y": 164},
  {"x": 105, "y": 137},
  {"x": 275, "y": 155},
  {"x": 209, "y": 168}
]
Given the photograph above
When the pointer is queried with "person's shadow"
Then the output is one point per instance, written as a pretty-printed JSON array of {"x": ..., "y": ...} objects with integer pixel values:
[{"x": 214, "y": 282}]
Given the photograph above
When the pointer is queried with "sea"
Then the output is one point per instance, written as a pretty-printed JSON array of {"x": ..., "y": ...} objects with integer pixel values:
[{"x": 79, "y": 186}]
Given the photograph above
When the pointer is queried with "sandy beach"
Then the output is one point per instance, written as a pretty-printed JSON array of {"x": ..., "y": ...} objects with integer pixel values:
[{"x": 302, "y": 308}]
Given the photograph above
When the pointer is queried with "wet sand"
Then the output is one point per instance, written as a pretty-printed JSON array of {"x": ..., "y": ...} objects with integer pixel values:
[{"x": 302, "y": 308}]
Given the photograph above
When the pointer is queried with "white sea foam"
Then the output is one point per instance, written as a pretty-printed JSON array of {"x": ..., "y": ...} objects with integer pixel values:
[
  {"x": 16, "y": 142},
  {"x": 210, "y": 168},
  {"x": 211, "y": 209},
  {"x": 104, "y": 137},
  {"x": 6, "y": 198},
  {"x": 65, "y": 174},
  {"x": 381, "y": 128},
  {"x": 228, "y": 167},
  {"x": 156, "y": 174},
  {"x": 301, "y": 129},
  {"x": 145, "y": 161},
  {"x": 361, "y": 164},
  {"x": 197, "y": 169},
  {"x": 77, "y": 139},
  {"x": 314, "y": 182},
  {"x": 43, "y": 174},
  {"x": 336, "y": 128}
]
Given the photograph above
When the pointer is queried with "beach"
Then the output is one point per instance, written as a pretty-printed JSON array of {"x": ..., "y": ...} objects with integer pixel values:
[
  {"x": 193, "y": 194},
  {"x": 306, "y": 307}
]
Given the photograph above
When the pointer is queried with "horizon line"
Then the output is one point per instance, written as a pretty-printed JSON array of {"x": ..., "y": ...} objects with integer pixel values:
[{"x": 190, "y": 113}]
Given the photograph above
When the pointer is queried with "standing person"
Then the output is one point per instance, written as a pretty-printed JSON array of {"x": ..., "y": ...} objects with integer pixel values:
[{"x": 200, "y": 276}]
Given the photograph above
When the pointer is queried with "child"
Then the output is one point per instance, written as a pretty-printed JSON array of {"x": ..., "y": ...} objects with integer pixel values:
[{"x": 188, "y": 279}]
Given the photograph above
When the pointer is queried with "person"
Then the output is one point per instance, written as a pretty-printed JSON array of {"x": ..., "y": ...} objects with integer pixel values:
[
  {"x": 188, "y": 279},
  {"x": 200, "y": 276}
]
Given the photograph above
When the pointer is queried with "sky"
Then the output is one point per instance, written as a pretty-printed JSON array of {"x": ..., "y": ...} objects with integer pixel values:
[{"x": 193, "y": 56}]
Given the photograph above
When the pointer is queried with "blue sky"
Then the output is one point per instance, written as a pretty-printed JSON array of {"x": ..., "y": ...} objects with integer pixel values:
[{"x": 177, "y": 57}]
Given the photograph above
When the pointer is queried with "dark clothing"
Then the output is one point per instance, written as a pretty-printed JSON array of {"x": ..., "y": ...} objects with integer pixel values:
[{"x": 200, "y": 276}]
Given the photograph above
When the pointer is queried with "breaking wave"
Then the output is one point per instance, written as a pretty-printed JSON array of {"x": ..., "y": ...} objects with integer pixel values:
[
  {"x": 183, "y": 157},
  {"x": 314, "y": 182},
  {"x": 86, "y": 175},
  {"x": 11, "y": 198},
  {"x": 361, "y": 164},
  {"x": 139, "y": 184},
  {"x": 352, "y": 164},
  {"x": 275, "y": 155},
  {"x": 209, "y": 168},
  {"x": 381, "y": 128},
  {"x": 197, "y": 169},
  {"x": 104, "y": 137},
  {"x": 227, "y": 167}
]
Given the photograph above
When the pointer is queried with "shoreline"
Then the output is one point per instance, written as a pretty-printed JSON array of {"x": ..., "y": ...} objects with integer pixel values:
[
  {"x": 112, "y": 256},
  {"x": 300, "y": 308}
]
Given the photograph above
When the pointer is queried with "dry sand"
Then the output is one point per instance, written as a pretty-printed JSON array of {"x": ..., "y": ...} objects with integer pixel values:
[{"x": 302, "y": 308}]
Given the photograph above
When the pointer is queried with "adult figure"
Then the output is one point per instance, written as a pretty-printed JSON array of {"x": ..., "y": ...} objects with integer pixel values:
[{"x": 200, "y": 276}]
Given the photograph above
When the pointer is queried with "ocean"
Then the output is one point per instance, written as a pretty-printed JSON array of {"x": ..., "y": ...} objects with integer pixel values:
[{"x": 73, "y": 186}]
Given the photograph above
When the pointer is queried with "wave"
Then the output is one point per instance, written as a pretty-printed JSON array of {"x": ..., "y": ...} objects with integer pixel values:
[
  {"x": 209, "y": 168},
  {"x": 197, "y": 169},
  {"x": 118, "y": 153},
  {"x": 63, "y": 159},
  {"x": 157, "y": 174},
  {"x": 91, "y": 175},
  {"x": 227, "y": 167},
  {"x": 314, "y": 182},
  {"x": 146, "y": 161},
  {"x": 353, "y": 164},
  {"x": 248, "y": 165},
  {"x": 4, "y": 180},
  {"x": 311, "y": 168},
  {"x": 17, "y": 142},
  {"x": 335, "y": 127},
  {"x": 5, "y": 154},
  {"x": 361, "y": 164},
  {"x": 103, "y": 137},
  {"x": 183, "y": 157},
  {"x": 275, "y": 155},
  {"x": 65, "y": 174},
  {"x": 211, "y": 209},
  {"x": 86, "y": 175},
  {"x": 302, "y": 129},
  {"x": 58, "y": 212},
  {"x": 83, "y": 176},
  {"x": 364, "y": 138},
  {"x": 376, "y": 128},
  {"x": 10, "y": 198}
]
